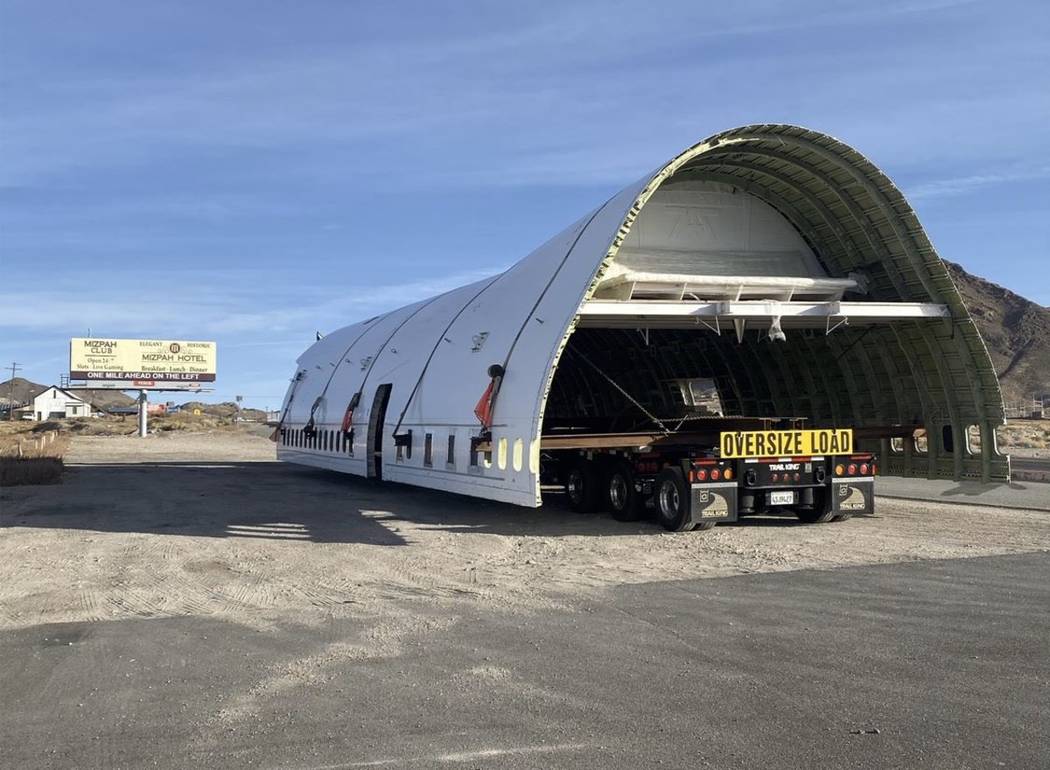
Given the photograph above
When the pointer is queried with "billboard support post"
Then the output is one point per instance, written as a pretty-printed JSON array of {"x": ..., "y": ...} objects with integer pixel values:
[{"x": 143, "y": 414}]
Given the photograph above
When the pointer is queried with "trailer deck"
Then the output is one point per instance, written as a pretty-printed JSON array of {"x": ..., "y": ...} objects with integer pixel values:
[{"x": 709, "y": 434}]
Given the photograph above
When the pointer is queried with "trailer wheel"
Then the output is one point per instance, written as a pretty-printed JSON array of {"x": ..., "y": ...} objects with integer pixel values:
[
  {"x": 821, "y": 511},
  {"x": 672, "y": 500},
  {"x": 622, "y": 498},
  {"x": 842, "y": 516},
  {"x": 583, "y": 486}
]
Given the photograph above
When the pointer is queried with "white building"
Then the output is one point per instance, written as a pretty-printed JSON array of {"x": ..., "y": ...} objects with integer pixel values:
[{"x": 55, "y": 402}]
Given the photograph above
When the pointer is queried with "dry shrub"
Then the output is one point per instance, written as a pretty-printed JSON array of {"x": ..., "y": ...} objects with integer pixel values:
[
  {"x": 185, "y": 420},
  {"x": 188, "y": 421},
  {"x": 32, "y": 460},
  {"x": 1024, "y": 434}
]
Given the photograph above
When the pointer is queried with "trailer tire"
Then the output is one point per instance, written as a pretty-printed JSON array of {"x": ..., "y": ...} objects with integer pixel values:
[
  {"x": 822, "y": 509},
  {"x": 672, "y": 500},
  {"x": 842, "y": 516},
  {"x": 583, "y": 486},
  {"x": 621, "y": 498}
]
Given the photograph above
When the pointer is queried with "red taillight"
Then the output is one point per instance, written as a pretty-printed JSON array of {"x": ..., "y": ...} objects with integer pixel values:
[
  {"x": 852, "y": 469},
  {"x": 775, "y": 477},
  {"x": 715, "y": 474},
  {"x": 874, "y": 470},
  {"x": 863, "y": 469},
  {"x": 701, "y": 475},
  {"x": 797, "y": 476}
]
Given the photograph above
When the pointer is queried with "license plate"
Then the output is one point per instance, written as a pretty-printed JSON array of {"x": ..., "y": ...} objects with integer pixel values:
[{"x": 786, "y": 497}]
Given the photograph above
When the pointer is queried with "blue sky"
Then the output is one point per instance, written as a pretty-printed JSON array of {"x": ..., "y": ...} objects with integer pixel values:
[{"x": 251, "y": 172}]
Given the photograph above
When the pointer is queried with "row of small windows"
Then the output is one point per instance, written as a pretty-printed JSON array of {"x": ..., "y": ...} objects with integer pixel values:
[
  {"x": 920, "y": 443},
  {"x": 476, "y": 457},
  {"x": 339, "y": 442},
  {"x": 335, "y": 441}
]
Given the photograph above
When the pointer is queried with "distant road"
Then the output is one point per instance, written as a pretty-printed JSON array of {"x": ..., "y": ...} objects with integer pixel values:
[{"x": 1030, "y": 463}]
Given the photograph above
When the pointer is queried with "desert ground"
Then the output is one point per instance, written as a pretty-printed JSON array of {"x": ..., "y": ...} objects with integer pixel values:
[{"x": 205, "y": 545}]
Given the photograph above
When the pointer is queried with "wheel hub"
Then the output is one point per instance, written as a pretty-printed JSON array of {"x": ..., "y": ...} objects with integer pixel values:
[
  {"x": 574, "y": 485},
  {"x": 669, "y": 499},
  {"x": 618, "y": 491}
]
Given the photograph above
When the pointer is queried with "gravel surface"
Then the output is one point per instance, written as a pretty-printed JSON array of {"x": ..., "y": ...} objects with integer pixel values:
[{"x": 186, "y": 524}]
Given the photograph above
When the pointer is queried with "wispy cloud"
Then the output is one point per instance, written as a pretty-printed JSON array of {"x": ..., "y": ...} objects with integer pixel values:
[
  {"x": 412, "y": 96},
  {"x": 961, "y": 185},
  {"x": 207, "y": 309}
]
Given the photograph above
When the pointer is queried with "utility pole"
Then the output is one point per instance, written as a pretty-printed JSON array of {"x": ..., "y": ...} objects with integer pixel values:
[{"x": 15, "y": 366}]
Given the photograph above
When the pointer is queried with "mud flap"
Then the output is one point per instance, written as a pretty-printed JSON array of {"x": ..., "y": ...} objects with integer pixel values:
[
  {"x": 714, "y": 502},
  {"x": 856, "y": 496}
]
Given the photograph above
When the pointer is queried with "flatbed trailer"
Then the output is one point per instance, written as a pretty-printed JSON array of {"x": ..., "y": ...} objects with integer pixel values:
[{"x": 716, "y": 471}]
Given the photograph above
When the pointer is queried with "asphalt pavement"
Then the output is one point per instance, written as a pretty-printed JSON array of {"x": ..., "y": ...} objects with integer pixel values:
[
  {"x": 1027, "y": 495},
  {"x": 931, "y": 664}
]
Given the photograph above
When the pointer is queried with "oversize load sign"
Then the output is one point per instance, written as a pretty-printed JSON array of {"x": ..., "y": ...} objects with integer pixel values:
[
  {"x": 787, "y": 443},
  {"x": 144, "y": 361}
]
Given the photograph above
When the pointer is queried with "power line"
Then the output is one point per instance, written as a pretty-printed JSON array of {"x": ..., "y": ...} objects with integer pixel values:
[{"x": 14, "y": 367}]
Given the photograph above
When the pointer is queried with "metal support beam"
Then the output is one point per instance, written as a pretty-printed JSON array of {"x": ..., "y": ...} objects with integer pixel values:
[{"x": 655, "y": 313}]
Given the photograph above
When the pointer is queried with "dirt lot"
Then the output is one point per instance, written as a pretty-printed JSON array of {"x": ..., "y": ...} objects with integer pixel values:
[{"x": 182, "y": 524}]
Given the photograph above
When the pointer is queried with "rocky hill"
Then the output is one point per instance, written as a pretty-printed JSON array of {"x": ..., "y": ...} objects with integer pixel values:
[
  {"x": 19, "y": 391},
  {"x": 1016, "y": 331},
  {"x": 106, "y": 399}
]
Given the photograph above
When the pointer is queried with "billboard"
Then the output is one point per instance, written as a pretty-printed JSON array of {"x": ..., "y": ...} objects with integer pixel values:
[{"x": 142, "y": 363}]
